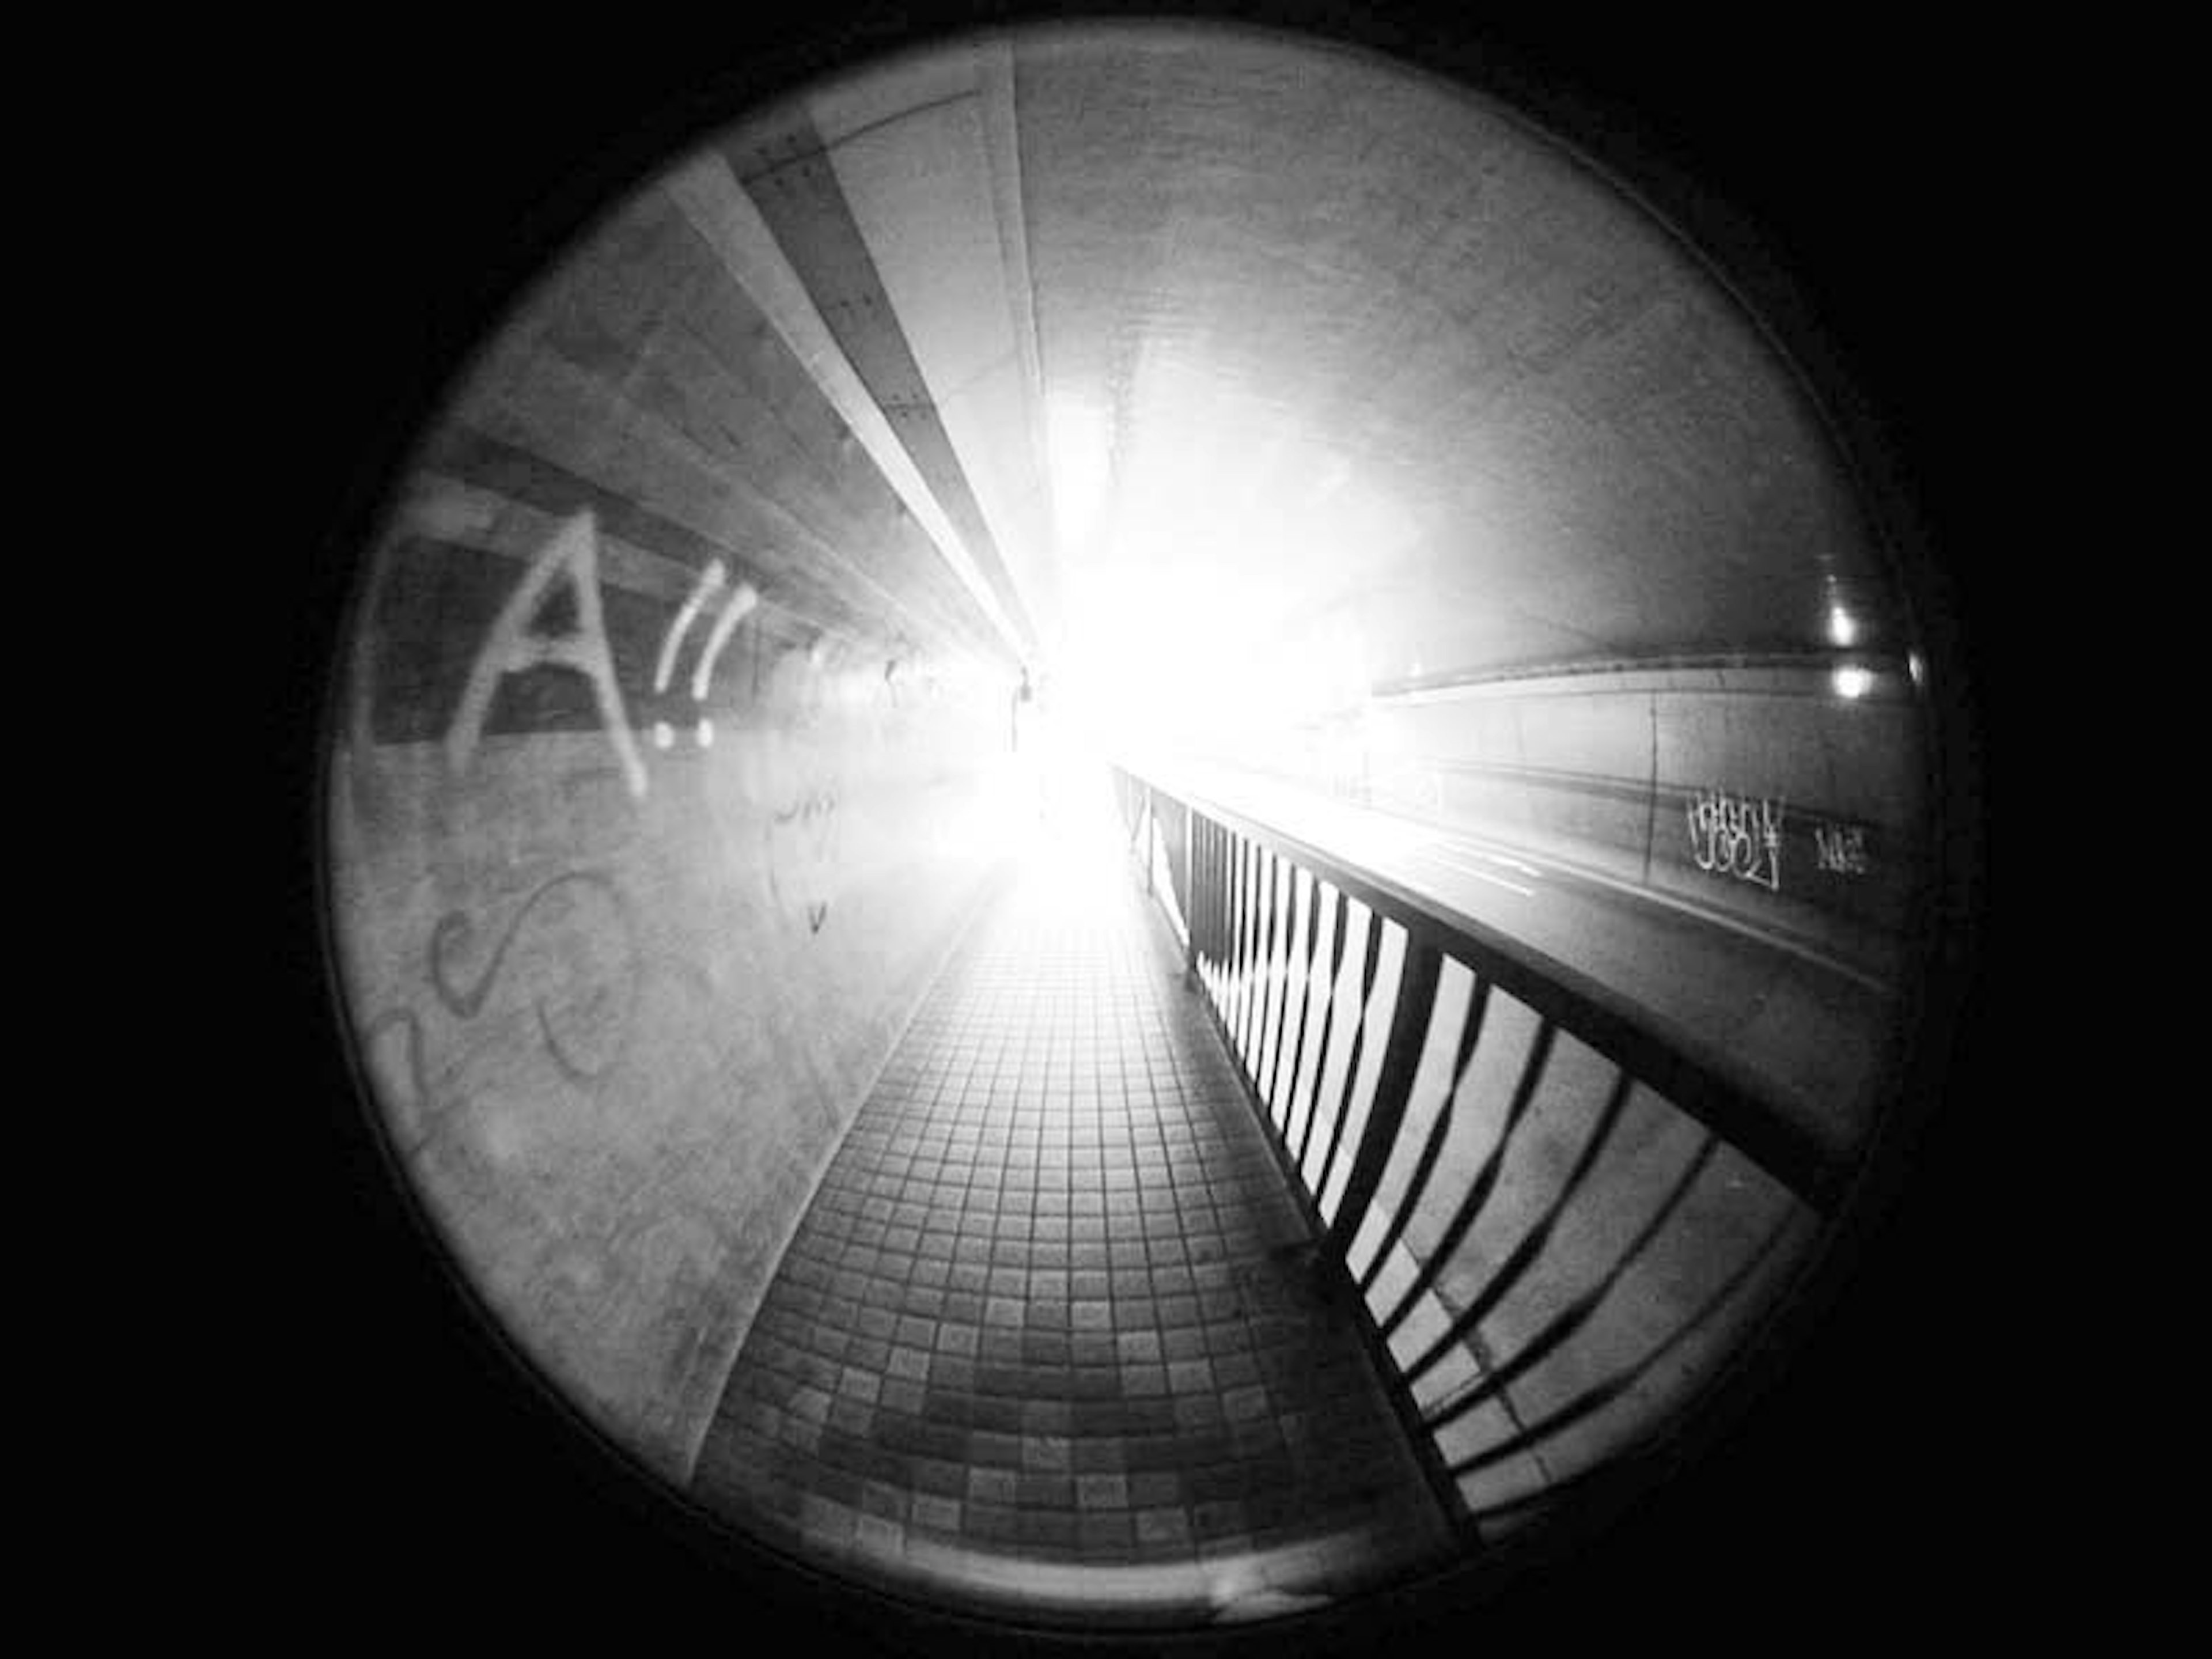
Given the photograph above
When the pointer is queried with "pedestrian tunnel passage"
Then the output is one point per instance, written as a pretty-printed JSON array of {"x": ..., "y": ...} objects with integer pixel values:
[
  {"x": 1064, "y": 1330},
  {"x": 1068, "y": 1328},
  {"x": 1052, "y": 1334},
  {"x": 1164, "y": 1217}
]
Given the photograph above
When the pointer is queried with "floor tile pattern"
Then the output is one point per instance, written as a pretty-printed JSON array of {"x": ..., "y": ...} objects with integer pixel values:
[{"x": 1049, "y": 1302}]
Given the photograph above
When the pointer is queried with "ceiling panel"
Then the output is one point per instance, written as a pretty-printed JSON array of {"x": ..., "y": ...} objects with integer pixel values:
[{"x": 1549, "y": 433}]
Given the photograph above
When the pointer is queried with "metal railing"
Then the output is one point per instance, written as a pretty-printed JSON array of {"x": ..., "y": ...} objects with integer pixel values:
[{"x": 1552, "y": 1213}]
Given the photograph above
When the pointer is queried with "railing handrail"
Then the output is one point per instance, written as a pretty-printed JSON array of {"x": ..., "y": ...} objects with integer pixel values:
[{"x": 1702, "y": 1082}]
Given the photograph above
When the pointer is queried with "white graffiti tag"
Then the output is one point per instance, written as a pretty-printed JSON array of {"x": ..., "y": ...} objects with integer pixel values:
[
  {"x": 734, "y": 610},
  {"x": 514, "y": 647},
  {"x": 1736, "y": 836},
  {"x": 1841, "y": 848}
]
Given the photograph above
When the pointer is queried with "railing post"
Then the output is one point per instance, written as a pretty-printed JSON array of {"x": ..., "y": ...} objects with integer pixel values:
[
  {"x": 1370, "y": 957},
  {"x": 1234, "y": 1004},
  {"x": 1340, "y": 908},
  {"x": 1394, "y": 1085},
  {"x": 1152, "y": 835},
  {"x": 1202, "y": 834},
  {"x": 1190, "y": 898},
  {"x": 1248, "y": 922},
  {"x": 1226, "y": 853},
  {"x": 1289, "y": 902},
  {"x": 1270, "y": 907},
  {"x": 1206, "y": 868}
]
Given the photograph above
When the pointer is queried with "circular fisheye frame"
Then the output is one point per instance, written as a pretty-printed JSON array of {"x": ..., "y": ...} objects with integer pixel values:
[{"x": 1127, "y": 829}]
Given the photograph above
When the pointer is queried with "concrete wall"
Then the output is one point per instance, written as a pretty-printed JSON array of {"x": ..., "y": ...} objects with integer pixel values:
[
  {"x": 616, "y": 1039},
  {"x": 1631, "y": 773},
  {"x": 1678, "y": 1278},
  {"x": 662, "y": 785},
  {"x": 1609, "y": 771}
]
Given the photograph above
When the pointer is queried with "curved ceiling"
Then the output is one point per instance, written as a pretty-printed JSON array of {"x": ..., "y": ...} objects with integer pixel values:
[{"x": 1261, "y": 351}]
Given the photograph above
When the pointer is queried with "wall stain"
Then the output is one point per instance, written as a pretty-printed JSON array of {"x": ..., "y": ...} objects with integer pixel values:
[{"x": 418, "y": 1080}]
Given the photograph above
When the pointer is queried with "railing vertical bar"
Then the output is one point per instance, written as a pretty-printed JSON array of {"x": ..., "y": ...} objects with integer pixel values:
[
  {"x": 1293, "y": 981},
  {"x": 1338, "y": 903},
  {"x": 1228, "y": 852},
  {"x": 1189, "y": 899},
  {"x": 1213, "y": 896},
  {"x": 1287, "y": 1082},
  {"x": 1285, "y": 979},
  {"x": 1236, "y": 845},
  {"x": 1232, "y": 917},
  {"x": 1255, "y": 994},
  {"x": 1290, "y": 980},
  {"x": 1202, "y": 861},
  {"x": 1201, "y": 898},
  {"x": 1305, "y": 998},
  {"x": 1358, "y": 1043},
  {"x": 1212, "y": 901},
  {"x": 1152, "y": 838},
  {"x": 1470, "y": 1033},
  {"x": 1235, "y": 996},
  {"x": 1248, "y": 853},
  {"x": 1255, "y": 1007},
  {"x": 1250, "y": 886},
  {"x": 1271, "y": 892}
]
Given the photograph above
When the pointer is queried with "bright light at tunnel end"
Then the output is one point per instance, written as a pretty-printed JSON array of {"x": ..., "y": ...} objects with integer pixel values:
[{"x": 1078, "y": 456}]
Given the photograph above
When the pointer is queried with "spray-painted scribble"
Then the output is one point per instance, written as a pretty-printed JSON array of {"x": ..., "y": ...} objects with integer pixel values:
[
  {"x": 415, "y": 1100},
  {"x": 512, "y": 647},
  {"x": 1736, "y": 836},
  {"x": 1841, "y": 848},
  {"x": 734, "y": 610},
  {"x": 455, "y": 933},
  {"x": 801, "y": 849}
]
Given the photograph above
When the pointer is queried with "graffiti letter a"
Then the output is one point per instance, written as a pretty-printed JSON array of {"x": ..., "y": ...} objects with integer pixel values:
[{"x": 512, "y": 648}]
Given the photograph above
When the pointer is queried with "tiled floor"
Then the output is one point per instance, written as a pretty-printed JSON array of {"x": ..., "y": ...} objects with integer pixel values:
[{"x": 1044, "y": 1332}]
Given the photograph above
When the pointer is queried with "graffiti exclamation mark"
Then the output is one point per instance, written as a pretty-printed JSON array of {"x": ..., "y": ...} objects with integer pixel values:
[
  {"x": 739, "y": 606},
  {"x": 710, "y": 582},
  {"x": 734, "y": 610}
]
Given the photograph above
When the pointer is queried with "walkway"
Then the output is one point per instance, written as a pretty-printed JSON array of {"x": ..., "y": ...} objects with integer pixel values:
[{"x": 1044, "y": 1335}]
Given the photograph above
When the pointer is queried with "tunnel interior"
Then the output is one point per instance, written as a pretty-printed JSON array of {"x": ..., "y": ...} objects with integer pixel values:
[{"x": 1125, "y": 825}]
